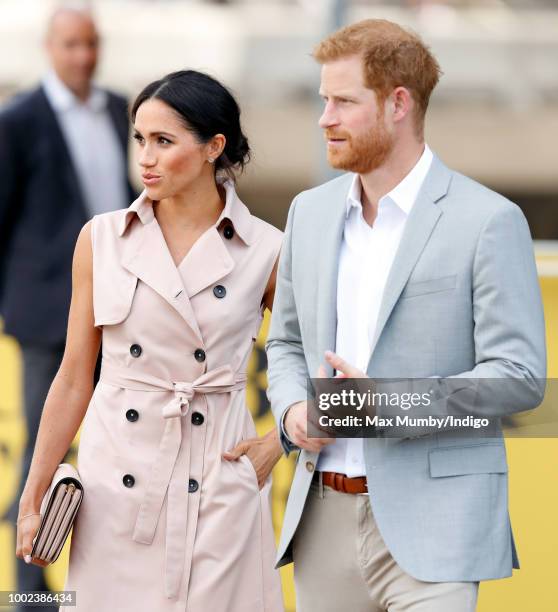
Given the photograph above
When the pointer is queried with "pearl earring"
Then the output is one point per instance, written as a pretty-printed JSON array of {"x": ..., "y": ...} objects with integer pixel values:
[{"x": 210, "y": 160}]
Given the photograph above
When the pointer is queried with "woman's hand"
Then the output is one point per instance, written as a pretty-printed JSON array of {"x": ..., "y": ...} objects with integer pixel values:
[
  {"x": 263, "y": 452},
  {"x": 27, "y": 527}
]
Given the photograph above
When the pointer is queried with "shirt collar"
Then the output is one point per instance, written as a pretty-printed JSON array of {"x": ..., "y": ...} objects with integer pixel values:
[
  {"x": 234, "y": 211},
  {"x": 62, "y": 99},
  {"x": 354, "y": 195},
  {"x": 404, "y": 193}
]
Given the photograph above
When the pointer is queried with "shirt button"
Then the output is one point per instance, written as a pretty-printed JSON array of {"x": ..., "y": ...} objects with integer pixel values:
[
  {"x": 309, "y": 466},
  {"x": 192, "y": 485},
  {"x": 219, "y": 291},
  {"x": 199, "y": 355},
  {"x": 197, "y": 418},
  {"x": 128, "y": 480},
  {"x": 228, "y": 232},
  {"x": 135, "y": 350},
  {"x": 132, "y": 415}
]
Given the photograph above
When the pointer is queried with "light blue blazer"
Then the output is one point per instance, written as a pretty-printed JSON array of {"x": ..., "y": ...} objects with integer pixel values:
[{"x": 462, "y": 299}]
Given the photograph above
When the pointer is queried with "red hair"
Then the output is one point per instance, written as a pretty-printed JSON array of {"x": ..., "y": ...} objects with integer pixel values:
[{"x": 392, "y": 57}]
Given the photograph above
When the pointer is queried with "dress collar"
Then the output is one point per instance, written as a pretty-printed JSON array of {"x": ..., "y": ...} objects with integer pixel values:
[{"x": 234, "y": 211}]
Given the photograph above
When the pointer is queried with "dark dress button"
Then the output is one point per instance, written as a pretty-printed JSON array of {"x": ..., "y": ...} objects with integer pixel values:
[
  {"x": 199, "y": 355},
  {"x": 228, "y": 232},
  {"x": 192, "y": 485},
  {"x": 128, "y": 480},
  {"x": 135, "y": 350},
  {"x": 132, "y": 415},
  {"x": 219, "y": 291},
  {"x": 197, "y": 418}
]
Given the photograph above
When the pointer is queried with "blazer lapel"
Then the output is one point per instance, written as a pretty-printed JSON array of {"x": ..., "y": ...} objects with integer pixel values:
[
  {"x": 329, "y": 245},
  {"x": 117, "y": 112},
  {"x": 60, "y": 148},
  {"x": 146, "y": 255},
  {"x": 421, "y": 222}
]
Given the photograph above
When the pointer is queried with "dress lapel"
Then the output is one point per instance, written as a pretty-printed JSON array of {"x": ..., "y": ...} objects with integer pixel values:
[
  {"x": 207, "y": 261},
  {"x": 146, "y": 255}
]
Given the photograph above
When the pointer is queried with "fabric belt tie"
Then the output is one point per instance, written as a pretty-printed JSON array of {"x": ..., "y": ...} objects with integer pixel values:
[{"x": 219, "y": 380}]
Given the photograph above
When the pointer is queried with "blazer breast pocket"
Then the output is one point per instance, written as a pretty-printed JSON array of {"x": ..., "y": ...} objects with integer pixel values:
[{"x": 432, "y": 285}]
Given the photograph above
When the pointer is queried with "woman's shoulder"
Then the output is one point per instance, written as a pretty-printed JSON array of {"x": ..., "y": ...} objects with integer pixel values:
[
  {"x": 112, "y": 219},
  {"x": 107, "y": 231},
  {"x": 113, "y": 224}
]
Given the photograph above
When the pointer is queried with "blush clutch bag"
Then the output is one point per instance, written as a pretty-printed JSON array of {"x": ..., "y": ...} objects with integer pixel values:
[{"x": 58, "y": 512}]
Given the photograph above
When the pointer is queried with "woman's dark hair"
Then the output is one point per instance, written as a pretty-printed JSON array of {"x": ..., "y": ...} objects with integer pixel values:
[{"x": 206, "y": 108}]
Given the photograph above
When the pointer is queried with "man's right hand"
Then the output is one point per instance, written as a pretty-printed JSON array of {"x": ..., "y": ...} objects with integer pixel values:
[{"x": 295, "y": 426}]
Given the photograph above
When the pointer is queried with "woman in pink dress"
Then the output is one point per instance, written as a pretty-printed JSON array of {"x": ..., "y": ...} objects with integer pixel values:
[{"x": 175, "y": 286}]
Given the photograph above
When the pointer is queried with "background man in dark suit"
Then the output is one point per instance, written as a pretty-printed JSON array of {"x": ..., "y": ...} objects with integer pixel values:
[{"x": 63, "y": 155}]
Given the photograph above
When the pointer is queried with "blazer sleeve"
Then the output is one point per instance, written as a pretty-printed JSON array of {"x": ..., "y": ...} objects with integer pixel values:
[
  {"x": 287, "y": 371},
  {"x": 509, "y": 330}
]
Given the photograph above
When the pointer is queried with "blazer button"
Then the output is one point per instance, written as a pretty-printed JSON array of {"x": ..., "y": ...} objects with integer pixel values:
[
  {"x": 192, "y": 485},
  {"x": 197, "y": 418},
  {"x": 135, "y": 350},
  {"x": 199, "y": 355},
  {"x": 129, "y": 481},
  {"x": 309, "y": 466},
  {"x": 132, "y": 415},
  {"x": 228, "y": 232},
  {"x": 219, "y": 291}
]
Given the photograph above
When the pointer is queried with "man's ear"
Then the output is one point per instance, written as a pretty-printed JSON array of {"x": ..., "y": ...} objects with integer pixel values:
[{"x": 402, "y": 103}]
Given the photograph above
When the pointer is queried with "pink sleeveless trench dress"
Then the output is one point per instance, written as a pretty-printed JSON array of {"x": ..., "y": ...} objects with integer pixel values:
[{"x": 166, "y": 524}]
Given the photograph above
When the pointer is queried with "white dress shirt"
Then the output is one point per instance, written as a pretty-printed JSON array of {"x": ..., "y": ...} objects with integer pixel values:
[
  {"x": 366, "y": 257},
  {"x": 93, "y": 144}
]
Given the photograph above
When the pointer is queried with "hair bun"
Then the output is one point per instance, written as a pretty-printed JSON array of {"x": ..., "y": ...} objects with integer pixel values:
[{"x": 236, "y": 154}]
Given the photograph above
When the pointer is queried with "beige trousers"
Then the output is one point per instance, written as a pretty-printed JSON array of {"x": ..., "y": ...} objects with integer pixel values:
[{"x": 342, "y": 563}]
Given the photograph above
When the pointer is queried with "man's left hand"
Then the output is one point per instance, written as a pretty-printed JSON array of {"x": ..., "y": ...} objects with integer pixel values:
[{"x": 346, "y": 369}]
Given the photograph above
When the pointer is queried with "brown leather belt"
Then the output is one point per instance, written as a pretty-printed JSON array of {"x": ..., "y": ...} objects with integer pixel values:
[{"x": 340, "y": 482}]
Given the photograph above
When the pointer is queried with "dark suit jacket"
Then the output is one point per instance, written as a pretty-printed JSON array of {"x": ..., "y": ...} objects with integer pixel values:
[{"x": 42, "y": 211}]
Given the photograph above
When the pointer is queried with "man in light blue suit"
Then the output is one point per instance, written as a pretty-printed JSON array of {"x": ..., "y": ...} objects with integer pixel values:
[{"x": 403, "y": 268}]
